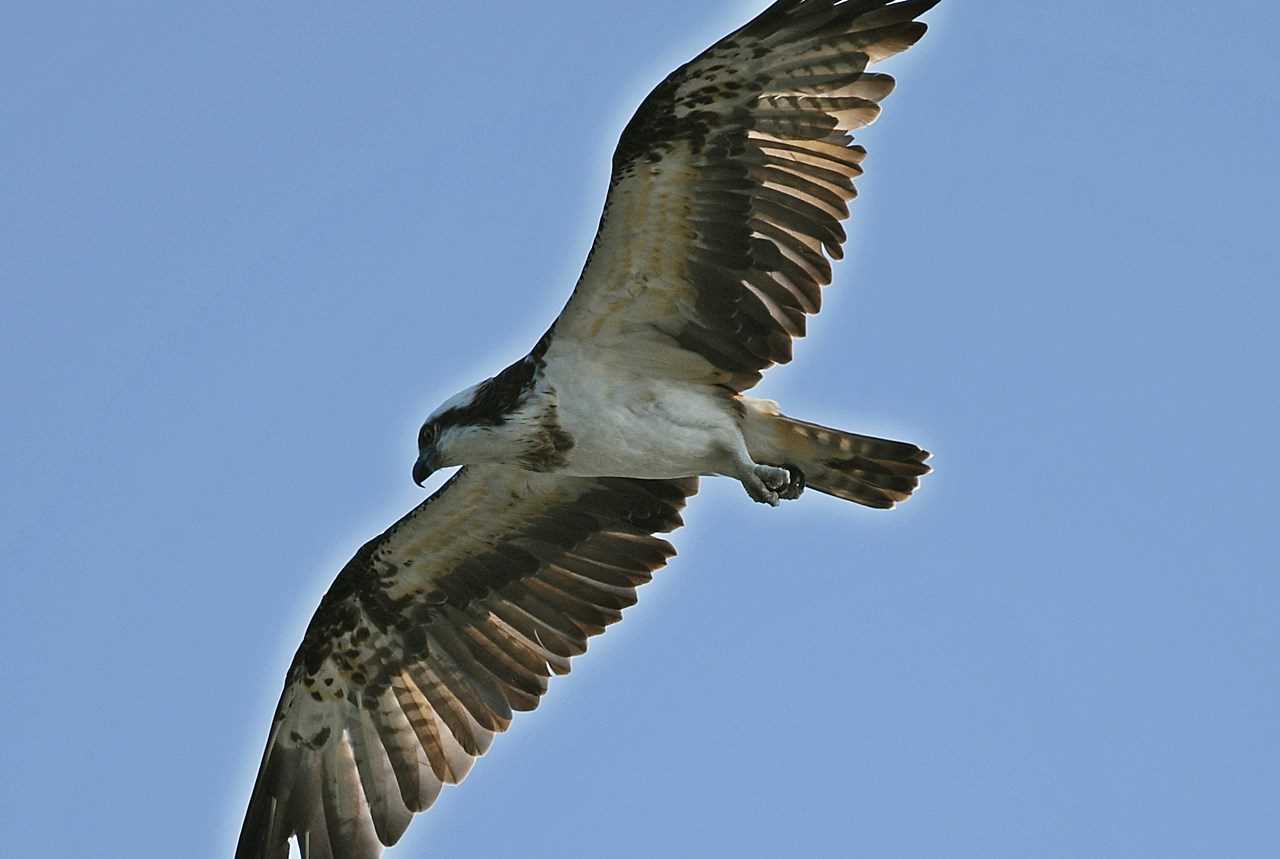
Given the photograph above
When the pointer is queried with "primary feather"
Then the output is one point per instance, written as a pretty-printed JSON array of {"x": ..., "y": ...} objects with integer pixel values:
[{"x": 433, "y": 634}]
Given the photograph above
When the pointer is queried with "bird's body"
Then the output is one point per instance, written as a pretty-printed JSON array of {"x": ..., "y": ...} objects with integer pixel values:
[
  {"x": 626, "y": 424},
  {"x": 578, "y": 417},
  {"x": 725, "y": 206}
]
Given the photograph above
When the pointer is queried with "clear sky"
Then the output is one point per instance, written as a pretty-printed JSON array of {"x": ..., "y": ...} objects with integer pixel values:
[{"x": 247, "y": 248}]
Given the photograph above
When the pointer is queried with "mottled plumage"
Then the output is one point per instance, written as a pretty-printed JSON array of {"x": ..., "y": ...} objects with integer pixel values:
[
  {"x": 434, "y": 633},
  {"x": 729, "y": 187}
]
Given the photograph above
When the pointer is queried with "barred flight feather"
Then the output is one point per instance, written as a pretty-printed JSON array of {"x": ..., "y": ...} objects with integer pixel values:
[
  {"x": 385, "y": 706},
  {"x": 751, "y": 142}
]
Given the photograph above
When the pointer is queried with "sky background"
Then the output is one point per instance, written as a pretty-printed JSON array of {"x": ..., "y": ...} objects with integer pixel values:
[{"x": 248, "y": 247}]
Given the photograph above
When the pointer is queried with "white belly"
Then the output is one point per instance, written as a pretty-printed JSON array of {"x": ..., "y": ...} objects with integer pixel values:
[{"x": 629, "y": 426}]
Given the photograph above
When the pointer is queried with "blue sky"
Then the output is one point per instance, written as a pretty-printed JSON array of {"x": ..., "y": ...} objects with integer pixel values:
[{"x": 246, "y": 249}]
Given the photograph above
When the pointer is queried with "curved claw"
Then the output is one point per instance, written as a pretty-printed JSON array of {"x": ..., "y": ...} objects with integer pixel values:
[{"x": 796, "y": 486}]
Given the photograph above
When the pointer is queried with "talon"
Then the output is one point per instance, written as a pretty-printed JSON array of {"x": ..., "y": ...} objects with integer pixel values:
[{"x": 796, "y": 485}]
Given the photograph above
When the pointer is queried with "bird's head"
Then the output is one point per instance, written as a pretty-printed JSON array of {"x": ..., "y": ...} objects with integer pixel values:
[
  {"x": 429, "y": 457},
  {"x": 462, "y": 431}
]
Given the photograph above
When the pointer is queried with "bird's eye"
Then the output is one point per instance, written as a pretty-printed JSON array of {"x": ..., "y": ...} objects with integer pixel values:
[{"x": 427, "y": 434}]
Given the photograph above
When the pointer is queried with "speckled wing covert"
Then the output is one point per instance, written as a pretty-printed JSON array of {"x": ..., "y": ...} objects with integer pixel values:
[
  {"x": 729, "y": 186},
  {"x": 433, "y": 634}
]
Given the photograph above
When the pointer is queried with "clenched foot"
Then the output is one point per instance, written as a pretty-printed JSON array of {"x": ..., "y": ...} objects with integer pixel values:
[
  {"x": 795, "y": 486},
  {"x": 766, "y": 484}
]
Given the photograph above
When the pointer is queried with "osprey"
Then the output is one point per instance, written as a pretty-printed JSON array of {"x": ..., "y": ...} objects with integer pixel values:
[{"x": 729, "y": 185}]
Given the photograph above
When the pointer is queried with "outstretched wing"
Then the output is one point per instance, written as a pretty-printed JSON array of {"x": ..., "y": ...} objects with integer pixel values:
[
  {"x": 729, "y": 186},
  {"x": 432, "y": 635}
]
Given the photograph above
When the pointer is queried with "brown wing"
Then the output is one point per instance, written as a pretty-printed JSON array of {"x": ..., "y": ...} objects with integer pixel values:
[
  {"x": 729, "y": 186},
  {"x": 432, "y": 635}
]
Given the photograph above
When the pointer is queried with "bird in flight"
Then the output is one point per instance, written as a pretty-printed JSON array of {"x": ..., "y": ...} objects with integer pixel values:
[{"x": 724, "y": 210}]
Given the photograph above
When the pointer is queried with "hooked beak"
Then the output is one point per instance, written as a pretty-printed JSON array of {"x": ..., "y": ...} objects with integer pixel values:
[{"x": 426, "y": 465}]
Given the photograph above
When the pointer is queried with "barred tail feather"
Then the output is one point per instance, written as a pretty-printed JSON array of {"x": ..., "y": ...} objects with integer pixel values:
[{"x": 874, "y": 472}]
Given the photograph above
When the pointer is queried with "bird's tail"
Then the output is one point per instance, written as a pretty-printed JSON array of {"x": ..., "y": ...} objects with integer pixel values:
[{"x": 874, "y": 472}]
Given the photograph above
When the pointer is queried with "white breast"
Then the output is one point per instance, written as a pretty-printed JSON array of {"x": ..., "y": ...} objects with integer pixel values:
[{"x": 627, "y": 425}]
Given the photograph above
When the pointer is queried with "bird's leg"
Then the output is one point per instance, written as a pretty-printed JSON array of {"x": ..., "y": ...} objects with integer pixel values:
[
  {"x": 764, "y": 483},
  {"x": 786, "y": 483}
]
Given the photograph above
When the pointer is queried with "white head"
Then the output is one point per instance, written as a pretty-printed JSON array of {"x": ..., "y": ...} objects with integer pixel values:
[{"x": 474, "y": 426}]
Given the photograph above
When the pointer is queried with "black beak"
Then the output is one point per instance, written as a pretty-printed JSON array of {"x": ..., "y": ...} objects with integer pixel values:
[{"x": 424, "y": 467}]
